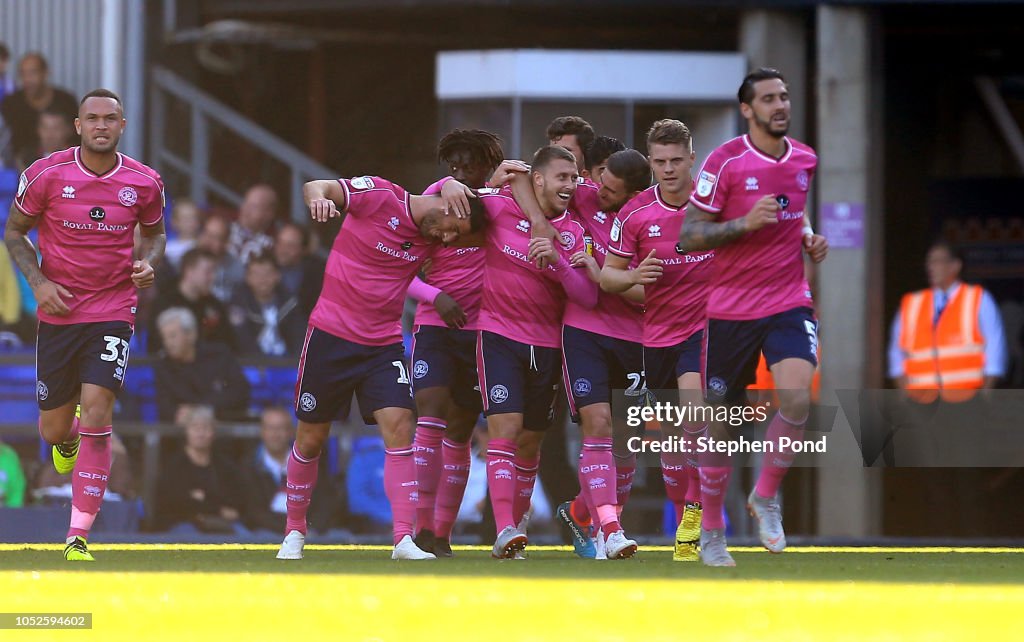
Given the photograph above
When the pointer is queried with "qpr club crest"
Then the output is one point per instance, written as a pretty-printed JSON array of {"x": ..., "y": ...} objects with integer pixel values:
[
  {"x": 567, "y": 240},
  {"x": 718, "y": 386},
  {"x": 420, "y": 369},
  {"x": 128, "y": 196},
  {"x": 307, "y": 402},
  {"x": 802, "y": 180},
  {"x": 42, "y": 391},
  {"x": 581, "y": 387},
  {"x": 499, "y": 394}
]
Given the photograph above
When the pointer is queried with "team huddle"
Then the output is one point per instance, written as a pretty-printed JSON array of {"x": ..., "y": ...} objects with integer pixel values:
[
  {"x": 571, "y": 269},
  {"x": 571, "y": 272}
]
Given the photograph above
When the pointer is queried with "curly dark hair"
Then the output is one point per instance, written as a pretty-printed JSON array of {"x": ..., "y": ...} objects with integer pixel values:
[{"x": 484, "y": 147}]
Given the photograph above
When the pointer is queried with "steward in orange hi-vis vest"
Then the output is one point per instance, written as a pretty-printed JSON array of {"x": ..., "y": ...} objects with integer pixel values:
[{"x": 943, "y": 356}]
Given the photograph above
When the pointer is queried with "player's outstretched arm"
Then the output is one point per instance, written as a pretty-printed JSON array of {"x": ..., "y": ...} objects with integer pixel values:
[
  {"x": 617, "y": 278},
  {"x": 506, "y": 171},
  {"x": 700, "y": 231},
  {"x": 325, "y": 199},
  {"x": 49, "y": 295}
]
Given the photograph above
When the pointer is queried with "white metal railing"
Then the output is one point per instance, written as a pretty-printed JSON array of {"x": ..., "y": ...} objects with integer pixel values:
[{"x": 204, "y": 110}]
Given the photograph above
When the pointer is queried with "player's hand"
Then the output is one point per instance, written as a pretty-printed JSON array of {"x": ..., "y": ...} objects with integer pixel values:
[
  {"x": 143, "y": 274},
  {"x": 322, "y": 209},
  {"x": 816, "y": 247},
  {"x": 228, "y": 513},
  {"x": 649, "y": 270},
  {"x": 765, "y": 212},
  {"x": 543, "y": 249},
  {"x": 451, "y": 312},
  {"x": 508, "y": 168},
  {"x": 455, "y": 197},
  {"x": 544, "y": 230},
  {"x": 583, "y": 260},
  {"x": 50, "y": 298}
]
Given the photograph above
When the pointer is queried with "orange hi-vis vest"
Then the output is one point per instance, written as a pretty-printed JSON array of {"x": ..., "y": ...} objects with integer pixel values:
[{"x": 947, "y": 356}]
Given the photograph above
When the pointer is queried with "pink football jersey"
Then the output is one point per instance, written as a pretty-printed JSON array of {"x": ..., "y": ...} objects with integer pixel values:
[
  {"x": 762, "y": 272},
  {"x": 675, "y": 304},
  {"x": 613, "y": 316},
  {"x": 520, "y": 301},
  {"x": 374, "y": 258},
  {"x": 86, "y": 228},
  {"x": 459, "y": 273}
]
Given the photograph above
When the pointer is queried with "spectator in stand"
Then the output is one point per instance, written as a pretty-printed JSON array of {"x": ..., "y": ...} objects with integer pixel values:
[
  {"x": 250, "y": 233},
  {"x": 6, "y": 151},
  {"x": 194, "y": 291},
  {"x": 6, "y": 78},
  {"x": 267, "y": 321},
  {"x": 302, "y": 274},
  {"x": 11, "y": 318},
  {"x": 17, "y": 305},
  {"x": 12, "y": 478},
  {"x": 6, "y": 88},
  {"x": 186, "y": 222},
  {"x": 229, "y": 270},
  {"x": 21, "y": 109},
  {"x": 55, "y": 133},
  {"x": 191, "y": 372},
  {"x": 50, "y": 487},
  {"x": 198, "y": 490},
  {"x": 265, "y": 472}
]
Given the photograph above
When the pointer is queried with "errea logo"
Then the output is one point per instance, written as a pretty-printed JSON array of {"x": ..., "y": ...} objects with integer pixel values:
[
  {"x": 600, "y": 217},
  {"x": 752, "y": 184},
  {"x": 654, "y": 231},
  {"x": 523, "y": 226},
  {"x": 393, "y": 223},
  {"x": 68, "y": 192}
]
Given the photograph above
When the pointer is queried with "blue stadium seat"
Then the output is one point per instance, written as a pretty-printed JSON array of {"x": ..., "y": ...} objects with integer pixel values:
[
  {"x": 8, "y": 183},
  {"x": 258, "y": 392},
  {"x": 254, "y": 374},
  {"x": 19, "y": 411},
  {"x": 333, "y": 456},
  {"x": 280, "y": 383},
  {"x": 18, "y": 394},
  {"x": 137, "y": 345},
  {"x": 140, "y": 387},
  {"x": 365, "y": 480}
]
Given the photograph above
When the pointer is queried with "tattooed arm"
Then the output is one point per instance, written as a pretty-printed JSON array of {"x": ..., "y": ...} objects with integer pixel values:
[
  {"x": 700, "y": 231},
  {"x": 49, "y": 295}
]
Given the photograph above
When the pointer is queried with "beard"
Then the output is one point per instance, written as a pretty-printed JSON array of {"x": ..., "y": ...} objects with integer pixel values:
[{"x": 769, "y": 128}]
